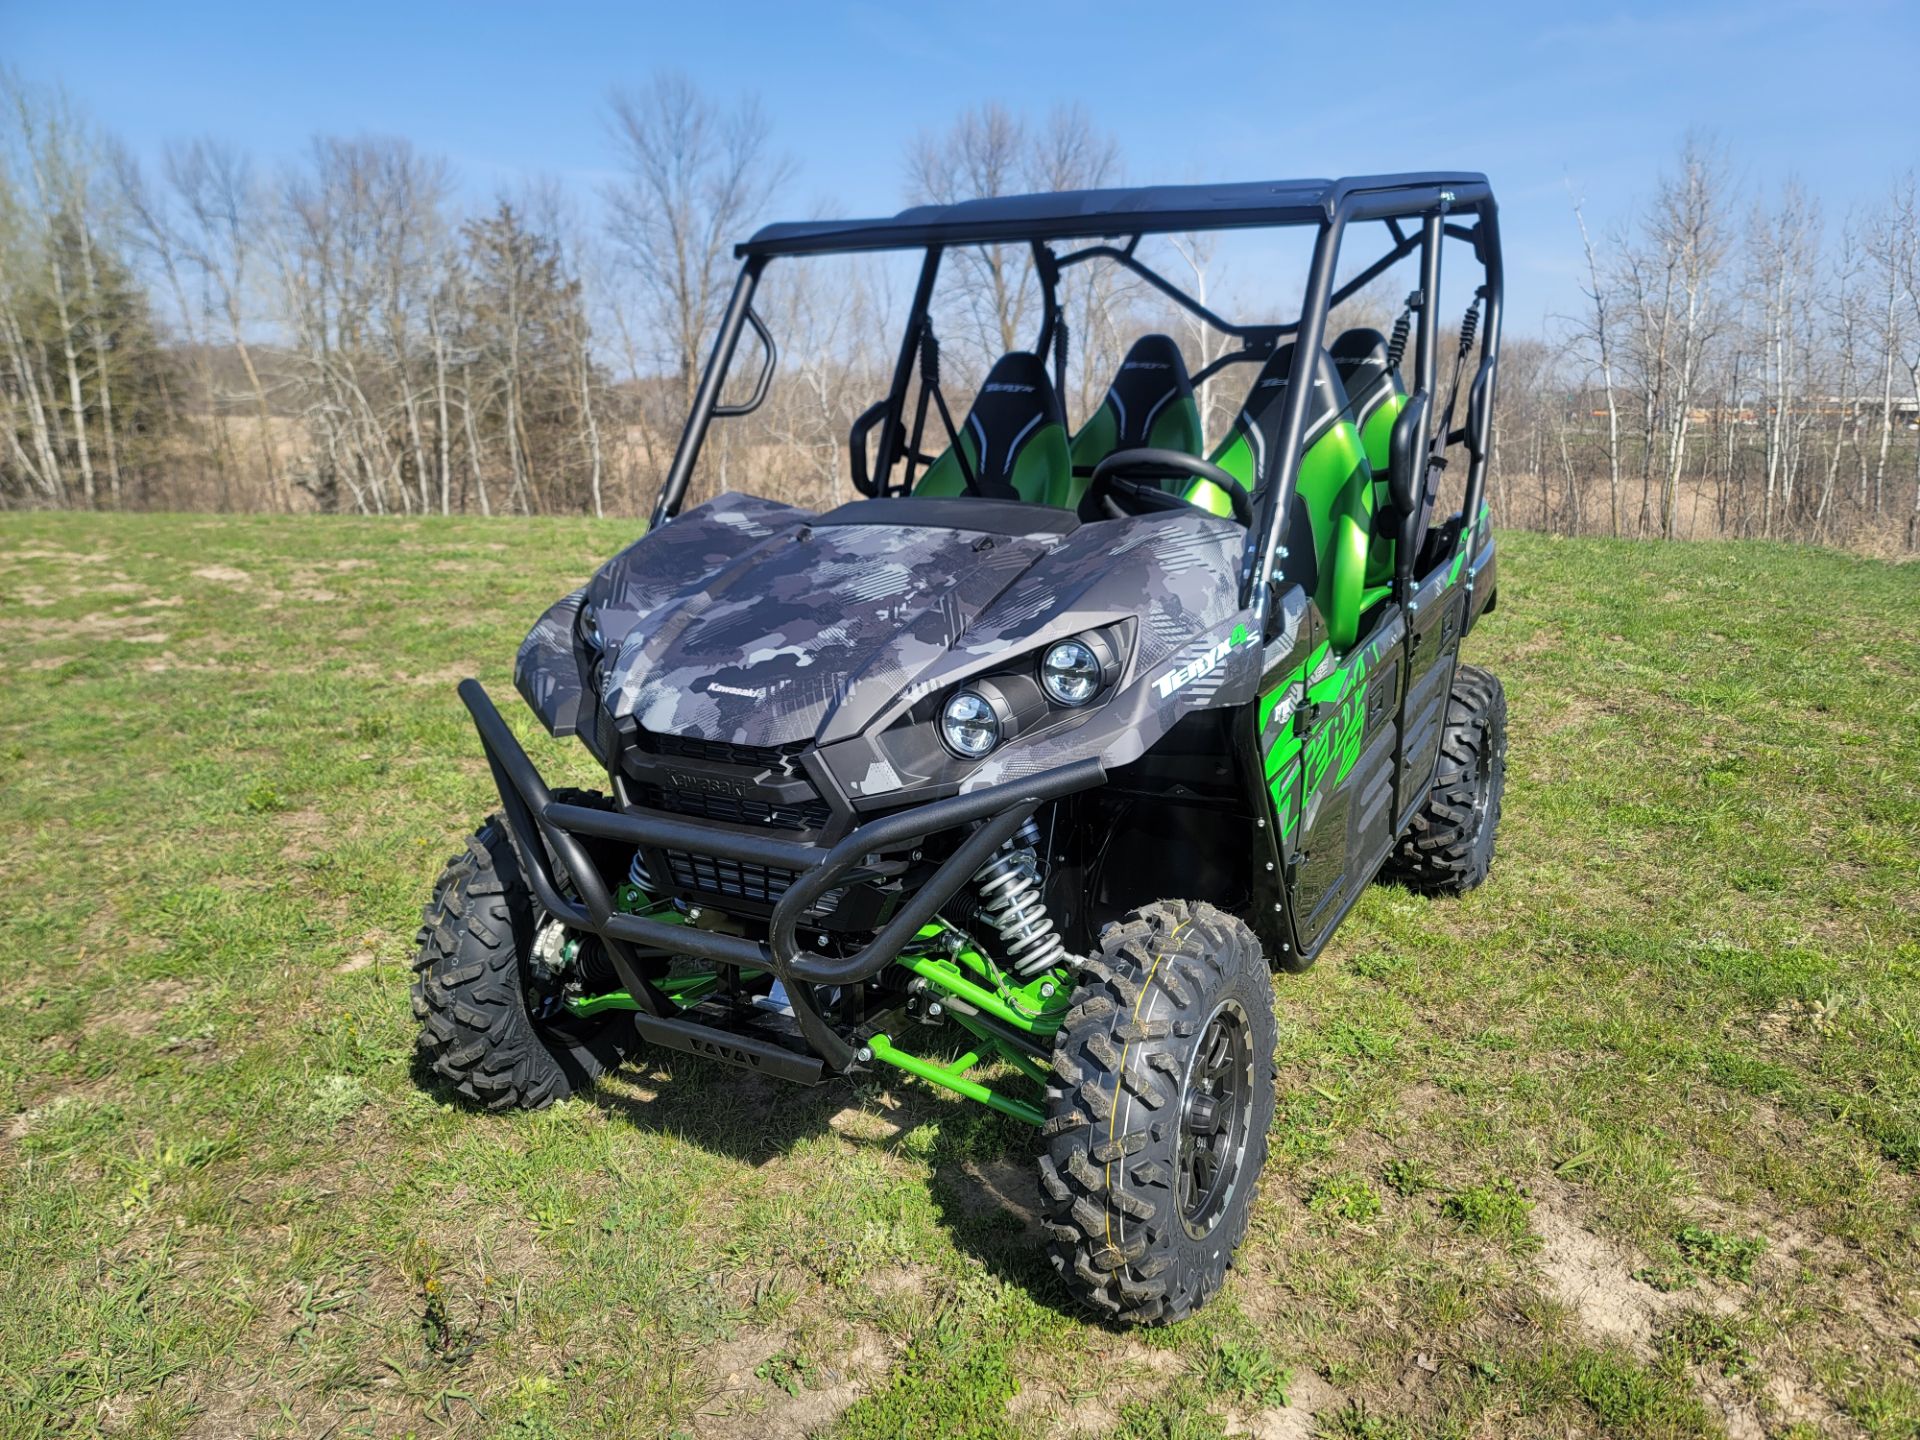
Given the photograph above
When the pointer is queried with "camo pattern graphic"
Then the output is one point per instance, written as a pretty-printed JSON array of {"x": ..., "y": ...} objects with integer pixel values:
[
  {"x": 744, "y": 621},
  {"x": 548, "y": 671},
  {"x": 809, "y": 621},
  {"x": 1179, "y": 574},
  {"x": 1219, "y": 667}
]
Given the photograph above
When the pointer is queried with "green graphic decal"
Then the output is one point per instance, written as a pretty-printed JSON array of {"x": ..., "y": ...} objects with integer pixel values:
[{"x": 1329, "y": 739}]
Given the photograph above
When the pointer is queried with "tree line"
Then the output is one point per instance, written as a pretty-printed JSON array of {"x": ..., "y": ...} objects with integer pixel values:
[
  {"x": 1743, "y": 366},
  {"x": 347, "y": 332}
]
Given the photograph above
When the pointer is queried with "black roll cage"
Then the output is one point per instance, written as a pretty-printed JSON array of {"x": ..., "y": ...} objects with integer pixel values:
[{"x": 1425, "y": 202}]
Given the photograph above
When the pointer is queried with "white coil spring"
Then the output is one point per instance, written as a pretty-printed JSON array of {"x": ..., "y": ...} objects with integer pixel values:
[
  {"x": 637, "y": 872},
  {"x": 1009, "y": 886}
]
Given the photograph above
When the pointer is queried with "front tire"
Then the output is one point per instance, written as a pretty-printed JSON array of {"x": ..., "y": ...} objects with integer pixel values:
[
  {"x": 1158, "y": 1112},
  {"x": 474, "y": 994},
  {"x": 1447, "y": 847}
]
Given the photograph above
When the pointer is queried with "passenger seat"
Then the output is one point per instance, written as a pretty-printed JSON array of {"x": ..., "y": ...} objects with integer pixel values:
[{"x": 1015, "y": 440}]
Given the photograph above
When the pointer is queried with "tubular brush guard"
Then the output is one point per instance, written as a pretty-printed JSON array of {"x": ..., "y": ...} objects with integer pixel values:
[{"x": 545, "y": 834}]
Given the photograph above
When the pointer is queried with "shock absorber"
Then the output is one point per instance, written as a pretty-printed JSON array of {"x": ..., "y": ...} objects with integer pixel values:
[{"x": 1010, "y": 899}]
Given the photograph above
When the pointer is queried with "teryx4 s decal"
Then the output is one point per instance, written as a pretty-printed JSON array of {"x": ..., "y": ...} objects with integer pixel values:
[{"x": 1204, "y": 664}]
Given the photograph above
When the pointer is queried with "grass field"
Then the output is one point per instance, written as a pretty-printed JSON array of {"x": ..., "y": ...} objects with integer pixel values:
[{"x": 1627, "y": 1143}]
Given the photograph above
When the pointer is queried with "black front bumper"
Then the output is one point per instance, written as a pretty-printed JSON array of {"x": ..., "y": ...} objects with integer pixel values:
[{"x": 545, "y": 834}]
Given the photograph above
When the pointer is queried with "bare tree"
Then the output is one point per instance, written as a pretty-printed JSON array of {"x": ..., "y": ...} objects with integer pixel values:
[
  {"x": 1597, "y": 330},
  {"x": 697, "y": 177},
  {"x": 1781, "y": 249},
  {"x": 215, "y": 185},
  {"x": 984, "y": 153}
]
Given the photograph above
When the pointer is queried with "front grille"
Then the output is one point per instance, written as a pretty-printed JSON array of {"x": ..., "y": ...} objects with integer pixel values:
[
  {"x": 730, "y": 879},
  {"x": 734, "y": 809},
  {"x": 762, "y": 757}
]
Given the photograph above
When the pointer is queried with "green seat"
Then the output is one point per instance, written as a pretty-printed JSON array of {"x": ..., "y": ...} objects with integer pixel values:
[
  {"x": 1377, "y": 396},
  {"x": 1330, "y": 524},
  {"x": 1014, "y": 438},
  {"x": 1149, "y": 403}
]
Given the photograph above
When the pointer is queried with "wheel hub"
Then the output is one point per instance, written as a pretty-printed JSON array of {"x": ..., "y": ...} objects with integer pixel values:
[{"x": 1215, "y": 1106}]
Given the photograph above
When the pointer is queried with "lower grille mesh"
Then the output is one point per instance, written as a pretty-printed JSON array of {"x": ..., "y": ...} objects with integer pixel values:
[
  {"x": 732, "y": 879},
  {"x": 736, "y": 810}
]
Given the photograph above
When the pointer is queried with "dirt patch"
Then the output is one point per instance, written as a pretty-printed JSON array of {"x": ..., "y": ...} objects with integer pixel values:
[
  {"x": 1537, "y": 643},
  {"x": 103, "y": 625},
  {"x": 997, "y": 1188},
  {"x": 1790, "y": 1403},
  {"x": 1308, "y": 1396},
  {"x": 868, "y": 1125},
  {"x": 755, "y": 1406},
  {"x": 142, "y": 1012},
  {"x": 306, "y": 833},
  {"x": 1594, "y": 1279},
  {"x": 222, "y": 575},
  {"x": 1128, "y": 1369},
  {"x": 75, "y": 557}
]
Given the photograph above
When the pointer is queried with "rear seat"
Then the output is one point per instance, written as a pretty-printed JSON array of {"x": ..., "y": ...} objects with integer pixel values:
[
  {"x": 1376, "y": 394},
  {"x": 1330, "y": 526}
]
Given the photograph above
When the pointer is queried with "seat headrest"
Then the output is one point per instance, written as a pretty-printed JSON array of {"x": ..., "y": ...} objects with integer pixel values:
[
  {"x": 1152, "y": 377},
  {"x": 1360, "y": 355},
  {"x": 1261, "y": 414},
  {"x": 1016, "y": 399}
]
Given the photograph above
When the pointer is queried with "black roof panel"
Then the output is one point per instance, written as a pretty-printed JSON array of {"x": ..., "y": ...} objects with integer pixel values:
[{"x": 1152, "y": 209}]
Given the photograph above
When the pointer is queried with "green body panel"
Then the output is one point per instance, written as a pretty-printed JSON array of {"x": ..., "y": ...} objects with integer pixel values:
[
  {"x": 1299, "y": 759},
  {"x": 1336, "y": 488},
  {"x": 1377, "y": 437},
  {"x": 1042, "y": 475},
  {"x": 1177, "y": 427}
]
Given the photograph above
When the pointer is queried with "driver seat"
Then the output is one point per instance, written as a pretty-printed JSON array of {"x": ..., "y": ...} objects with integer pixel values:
[
  {"x": 1014, "y": 438},
  {"x": 1330, "y": 523},
  {"x": 1149, "y": 403}
]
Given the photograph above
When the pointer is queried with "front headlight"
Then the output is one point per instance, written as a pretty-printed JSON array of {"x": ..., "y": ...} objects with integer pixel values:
[
  {"x": 1070, "y": 673},
  {"x": 590, "y": 629},
  {"x": 970, "y": 725}
]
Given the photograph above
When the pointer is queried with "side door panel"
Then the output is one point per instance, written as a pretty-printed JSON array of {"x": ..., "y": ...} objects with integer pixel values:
[
  {"x": 1433, "y": 644},
  {"x": 1329, "y": 736}
]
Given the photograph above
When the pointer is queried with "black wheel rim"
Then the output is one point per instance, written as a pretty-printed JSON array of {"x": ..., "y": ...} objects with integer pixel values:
[{"x": 1216, "y": 1103}]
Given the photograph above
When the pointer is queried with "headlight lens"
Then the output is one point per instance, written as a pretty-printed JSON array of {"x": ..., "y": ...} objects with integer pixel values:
[
  {"x": 1070, "y": 673},
  {"x": 970, "y": 725}
]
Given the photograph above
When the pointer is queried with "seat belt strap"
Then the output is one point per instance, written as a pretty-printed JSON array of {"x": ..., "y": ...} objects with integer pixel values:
[{"x": 930, "y": 385}]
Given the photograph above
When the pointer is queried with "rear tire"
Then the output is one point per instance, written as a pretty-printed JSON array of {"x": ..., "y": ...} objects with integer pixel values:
[
  {"x": 1447, "y": 848},
  {"x": 474, "y": 987},
  {"x": 1158, "y": 1111}
]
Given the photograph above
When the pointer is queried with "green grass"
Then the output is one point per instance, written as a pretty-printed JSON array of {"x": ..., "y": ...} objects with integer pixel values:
[{"x": 1676, "y": 1038}]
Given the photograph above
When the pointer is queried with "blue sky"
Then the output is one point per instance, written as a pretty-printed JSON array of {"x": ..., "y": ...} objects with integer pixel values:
[{"x": 1595, "y": 96}]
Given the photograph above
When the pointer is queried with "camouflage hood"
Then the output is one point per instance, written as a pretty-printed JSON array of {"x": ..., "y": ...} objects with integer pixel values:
[
  {"x": 755, "y": 623},
  {"x": 798, "y": 622}
]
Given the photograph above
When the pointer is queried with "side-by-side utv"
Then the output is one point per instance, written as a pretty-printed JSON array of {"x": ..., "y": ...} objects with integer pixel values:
[{"x": 1021, "y": 772}]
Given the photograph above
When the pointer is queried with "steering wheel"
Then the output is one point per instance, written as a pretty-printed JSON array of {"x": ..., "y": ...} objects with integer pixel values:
[{"x": 1127, "y": 473}]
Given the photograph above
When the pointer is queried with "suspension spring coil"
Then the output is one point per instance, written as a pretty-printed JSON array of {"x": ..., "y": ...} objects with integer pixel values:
[
  {"x": 637, "y": 872},
  {"x": 1010, "y": 899}
]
